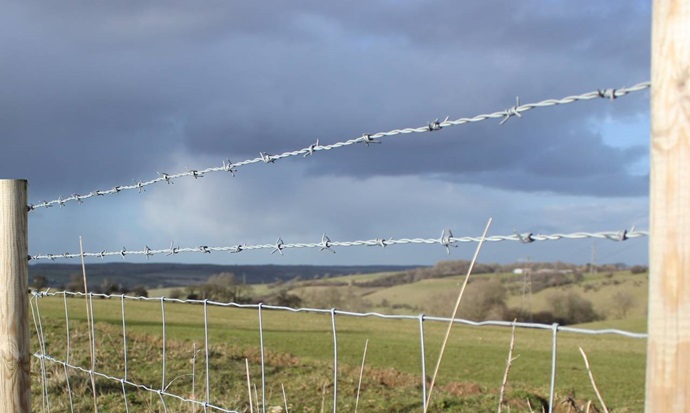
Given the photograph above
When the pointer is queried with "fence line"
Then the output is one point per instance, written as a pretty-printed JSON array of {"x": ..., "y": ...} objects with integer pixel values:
[
  {"x": 447, "y": 240},
  {"x": 495, "y": 323},
  {"x": 367, "y": 139},
  {"x": 206, "y": 404}
]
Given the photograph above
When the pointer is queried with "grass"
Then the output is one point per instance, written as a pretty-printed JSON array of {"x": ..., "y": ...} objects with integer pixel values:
[{"x": 299, "y": 355}]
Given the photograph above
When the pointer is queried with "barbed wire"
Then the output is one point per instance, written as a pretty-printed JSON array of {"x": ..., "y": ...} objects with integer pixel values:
[
  {"x": 264, "y": 157},
  {"x": 447, "y": 240}
]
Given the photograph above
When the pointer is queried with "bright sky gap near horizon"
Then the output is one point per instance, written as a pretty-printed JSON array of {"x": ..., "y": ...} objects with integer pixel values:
[{"x": 98, "y": 95}]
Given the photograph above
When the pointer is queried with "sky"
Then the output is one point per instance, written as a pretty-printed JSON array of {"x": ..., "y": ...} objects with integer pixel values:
[{"x": 99, "y": 94}]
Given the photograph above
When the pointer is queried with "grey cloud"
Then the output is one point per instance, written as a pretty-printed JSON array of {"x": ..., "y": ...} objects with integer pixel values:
[{"x": 131, "y": 82}]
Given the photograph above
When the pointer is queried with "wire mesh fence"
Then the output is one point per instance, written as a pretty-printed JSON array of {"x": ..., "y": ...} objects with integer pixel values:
[
  {"x": 126, "y": 353},
  {"x": 185, "y": 354}
]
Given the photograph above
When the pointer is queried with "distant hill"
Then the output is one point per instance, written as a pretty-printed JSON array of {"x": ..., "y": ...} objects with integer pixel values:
[{"x": 158, "y": 275}]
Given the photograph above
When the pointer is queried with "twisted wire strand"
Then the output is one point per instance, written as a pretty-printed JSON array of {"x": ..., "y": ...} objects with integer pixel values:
[
  {"x": 331, "y": 311},
  {"x": 447, "y": 240},
  {"x": 367, "y": 139}
]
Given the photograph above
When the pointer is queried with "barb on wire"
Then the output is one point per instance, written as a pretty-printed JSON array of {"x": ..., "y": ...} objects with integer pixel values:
[
  {"x": 367, "y": 139},
  {"x": 447, "y": 240},
  {"x": 326, "y": 243},
  {"x": 278, "y": 247},
  {"x": 165, "y": 177},
  {"x": 446, "y": 237}
]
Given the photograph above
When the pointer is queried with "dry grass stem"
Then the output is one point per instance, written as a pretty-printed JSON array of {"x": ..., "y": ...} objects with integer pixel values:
[
  {"x": 530, "y": 406},
  {"x": 249, "y": 386},
  {"x": 591, "y": 378},
  {"x": 361, "y": 371},
  {"x": 284, "y": 398},
  {"x": 193, "y": 406},
  {"x": 323, "y": 397},
  {"x": 508, "y": 364},
  {"x": 89, "y": 325},
  {"x": 256, "y": 398},
  {"x": 455, "y": 313}
]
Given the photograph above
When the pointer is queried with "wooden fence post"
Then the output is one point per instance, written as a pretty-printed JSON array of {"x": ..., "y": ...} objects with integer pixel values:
[
  {"x": 668, "y": 346},
  {"x": 15, "y": 380}
]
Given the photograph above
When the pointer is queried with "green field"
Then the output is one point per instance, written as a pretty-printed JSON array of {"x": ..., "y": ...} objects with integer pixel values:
[{"x": 299, "y": 356}]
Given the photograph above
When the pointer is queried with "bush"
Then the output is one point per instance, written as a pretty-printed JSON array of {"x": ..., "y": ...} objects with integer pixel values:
[
  {"x": 571, "y": 308},
  {"x": 541, "y": 317},
  {"x": 622, "y": 302},
  {"x": 342, "y": 298},
  {"x": 638, "y": 269},
  {"x": 224, "y": 287},
  {"x": 483, "y": 300},
  {"x": 285, "y": 299}
]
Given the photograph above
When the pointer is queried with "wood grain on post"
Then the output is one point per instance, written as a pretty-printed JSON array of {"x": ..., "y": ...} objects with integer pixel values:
[
  {"x": 15, "y": 380},
  {"x": 668, "y": 347}
]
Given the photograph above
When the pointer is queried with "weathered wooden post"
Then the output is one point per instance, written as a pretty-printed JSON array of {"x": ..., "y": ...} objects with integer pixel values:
[
  {"x": 668, "y": 348},
  {"x": 15, "y": 380}
]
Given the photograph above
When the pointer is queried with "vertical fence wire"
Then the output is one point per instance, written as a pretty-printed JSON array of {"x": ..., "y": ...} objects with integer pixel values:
[
  {"x": 124, "y": 349},
  {"x": 43, "y": 350},
  {"x": 124, "y": 395},
  {"x": 164, "y": 357},
  {"x": 41, "y": 342},
  {"x": 335, "y": 362},
  {"x": 93, "y": 351},
  {"x": 124, "y": 335},
  {"x": 208, "y": 379},
  {"x": 160, "y": 396},
  {"x": 552, "y": 386},
  {"x": 263, "y": 360},
  {"x": 67, "y": 353},
  {"x": 423, "y": 354},
  {"x": 194, "y": 353}
]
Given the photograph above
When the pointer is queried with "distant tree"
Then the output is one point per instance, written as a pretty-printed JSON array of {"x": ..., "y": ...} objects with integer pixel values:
[
  {"x": 109, "y": 287},
  {"x": 139, "y": 291},
  {"x": 225, "y": 287},
  {"x": 343, "y": 298},
  {"x": 176, "y": 293},
  {"x": 39, "y": 282},
  {"x": 483, "y": 300},
  {"x": 571, "y": 308},
  {"x": 622, "y": 302},
  {"x": 76, "y": 283},
  {"x": 285, "y": 299},
  {"x": 638, "y": 269}
]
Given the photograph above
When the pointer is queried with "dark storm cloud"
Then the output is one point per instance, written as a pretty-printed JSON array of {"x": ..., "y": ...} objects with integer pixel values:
[{"x": 114, "y": 88}]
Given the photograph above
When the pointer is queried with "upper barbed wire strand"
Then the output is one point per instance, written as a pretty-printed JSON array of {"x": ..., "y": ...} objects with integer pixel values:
[
  {"x": 446, "y": 239},
  {"x": 264, "y": 157}
]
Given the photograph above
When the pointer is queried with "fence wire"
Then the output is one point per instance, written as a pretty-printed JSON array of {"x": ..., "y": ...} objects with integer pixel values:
[
  {"x": 264, "y": 157},
  {"x": 207, "y": 404},
  {"x": 447, "y": 240}
]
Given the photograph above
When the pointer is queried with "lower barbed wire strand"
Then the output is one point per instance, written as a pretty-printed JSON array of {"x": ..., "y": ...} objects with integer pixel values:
[{"x": 445, "y": 241}]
